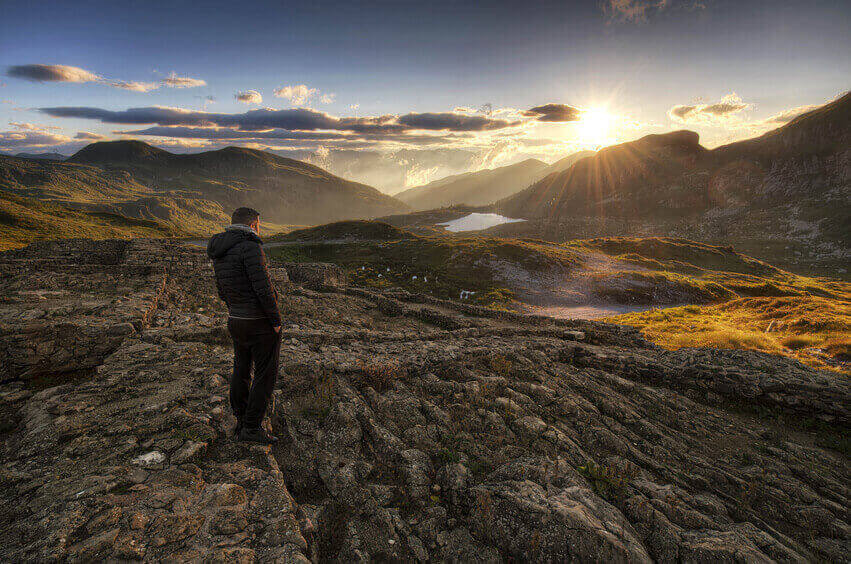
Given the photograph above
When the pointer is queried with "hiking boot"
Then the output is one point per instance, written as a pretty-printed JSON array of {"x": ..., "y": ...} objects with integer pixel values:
[{"x": 257, "y": 436}]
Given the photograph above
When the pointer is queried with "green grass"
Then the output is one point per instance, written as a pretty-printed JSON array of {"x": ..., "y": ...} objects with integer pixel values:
[
  {"x": 24, "y": 220},
  {"x": 439, "y": 266}
]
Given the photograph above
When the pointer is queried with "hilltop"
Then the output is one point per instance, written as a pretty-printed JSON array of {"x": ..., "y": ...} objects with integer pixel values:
[
  {"x": 783, "y": 196},
  {"x": 412, "y": 428}
]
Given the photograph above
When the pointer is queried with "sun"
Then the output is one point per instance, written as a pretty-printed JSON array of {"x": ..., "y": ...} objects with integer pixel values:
[{"x": 595, "y": 126}]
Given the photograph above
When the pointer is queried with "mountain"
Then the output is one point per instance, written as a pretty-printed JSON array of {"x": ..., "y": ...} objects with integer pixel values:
[
  {"x": 784, "y": 196},
  {"x": 484, "y": 187},
  {"x": 192, "y": 193},
  {"x": 565, "y": 163},
  {"x": 42, "y": 156},
  {"x": 286, "y": 191},
  {"x": 474, "y": 188}
]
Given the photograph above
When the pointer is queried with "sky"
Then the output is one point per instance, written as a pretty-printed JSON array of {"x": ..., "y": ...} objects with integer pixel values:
[{"x": 398, "y": 93}]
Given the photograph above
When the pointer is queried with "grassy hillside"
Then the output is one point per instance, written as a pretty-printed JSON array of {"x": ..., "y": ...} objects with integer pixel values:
[
  {"x": 23, "y": 220},
  {"x": 815, "y": 330}
]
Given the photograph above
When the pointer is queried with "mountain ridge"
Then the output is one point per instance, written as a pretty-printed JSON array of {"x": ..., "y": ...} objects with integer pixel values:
[
  {"x": 483, "y": 187},
  {"x": 787, "y": 191},
  {"x": 191, "y": 193}
]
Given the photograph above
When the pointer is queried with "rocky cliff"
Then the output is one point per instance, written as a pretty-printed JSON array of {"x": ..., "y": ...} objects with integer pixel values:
[{"x": 412, "y": 429}]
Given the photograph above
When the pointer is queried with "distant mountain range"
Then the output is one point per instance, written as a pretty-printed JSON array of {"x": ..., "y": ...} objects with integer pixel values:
[
  {"x": 483, "y": 187},
  {"x": 194, "y": 193},
  {"x": 42, "y": 156},
  {"x": 784, "y": 196}
]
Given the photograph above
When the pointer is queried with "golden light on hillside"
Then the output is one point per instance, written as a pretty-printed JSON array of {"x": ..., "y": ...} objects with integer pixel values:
[{"x": 595, "y": 127}]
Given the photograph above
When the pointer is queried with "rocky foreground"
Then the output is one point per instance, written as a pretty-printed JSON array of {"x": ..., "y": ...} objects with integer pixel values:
[{"x": 412, "y": 429}]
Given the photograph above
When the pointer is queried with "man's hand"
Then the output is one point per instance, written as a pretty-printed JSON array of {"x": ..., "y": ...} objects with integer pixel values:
[{"x": 276, "y": 329}]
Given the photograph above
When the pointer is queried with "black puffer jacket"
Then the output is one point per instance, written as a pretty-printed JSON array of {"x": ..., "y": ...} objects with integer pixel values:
[{"x": 241, "y": 275}]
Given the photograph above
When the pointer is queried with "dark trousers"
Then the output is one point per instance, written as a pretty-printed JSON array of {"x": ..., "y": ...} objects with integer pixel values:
[{"x": 254, "y": 342}]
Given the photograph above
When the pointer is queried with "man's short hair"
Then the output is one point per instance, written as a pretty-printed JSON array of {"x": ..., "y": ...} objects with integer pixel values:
[{"x": 244, "y": 216}]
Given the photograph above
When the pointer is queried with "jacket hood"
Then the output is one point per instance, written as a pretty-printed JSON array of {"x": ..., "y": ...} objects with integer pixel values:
[{"x": 221, "y": 243}]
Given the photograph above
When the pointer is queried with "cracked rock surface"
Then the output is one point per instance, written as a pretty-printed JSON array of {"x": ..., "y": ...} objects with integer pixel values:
[{"x": 411, "y": 429}]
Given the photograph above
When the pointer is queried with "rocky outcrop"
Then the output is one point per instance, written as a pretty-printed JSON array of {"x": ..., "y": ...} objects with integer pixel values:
[{"x": 412, "y": 430}]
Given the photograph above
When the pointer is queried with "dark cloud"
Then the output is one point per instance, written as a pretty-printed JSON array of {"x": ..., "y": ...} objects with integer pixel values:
[
  {"x": 249, "y": 97},
  {"x": 453, "y": 122},
  {"x": 287, "y": 137},
  {"x": 303, "y": 119},
  {"x": 52, "y": 73},
  {"x": 554, "y": 113}
]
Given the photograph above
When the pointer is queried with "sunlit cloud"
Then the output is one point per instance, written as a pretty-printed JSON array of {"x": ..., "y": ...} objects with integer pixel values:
[
  {"x": 297, "y": 95},
  {"x": 727, "y": 109},
  {"x": 31, "y": 126},
  {"x": 135, "y": 86},
  {"x": 52, "y": 73},
  {"x": 786, "y": 116},
  {"x": 174, "y": 81},
  {"x": 249, "y": 97},
  {"x": 89, "y": 136},
  {"x": 29, "y": 136},
  {"x": 328, "y": 98},
  {"x": 66, "y": 73}
]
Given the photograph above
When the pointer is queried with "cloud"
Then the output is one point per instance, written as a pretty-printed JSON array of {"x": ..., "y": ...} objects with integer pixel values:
[
  {"x": 90, "y": 136},
  {"x": 29, "y": 136},
  {"x": 174, "y": 81},
  {"x": 788, "y": 115},
  {"x": 453, "y": 122},
  {"x": 554, "y": 113},
  {"x": 728, "y": 109},
  {"x": 135, "y": 86},
  {"x": 52, "y": 73},
  {"x": 300, "y": 119},
  {"x": 65, "y": 73},
  {"x": 328, "y": 98},
  {"x": 249, "y": 97},
  {"x": 298, "y": 95},
  {"x": 31, "y": 126},
  {"x": 640, "y": 11}
]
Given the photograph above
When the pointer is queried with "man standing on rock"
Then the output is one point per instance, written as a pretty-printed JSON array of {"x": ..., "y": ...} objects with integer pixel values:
[{"x": 254, "y": 321}]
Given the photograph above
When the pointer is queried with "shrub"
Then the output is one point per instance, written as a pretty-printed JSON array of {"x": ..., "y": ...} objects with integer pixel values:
[
  {"x": 608, "y": 481},
  {"x": 796, "y": 342}
]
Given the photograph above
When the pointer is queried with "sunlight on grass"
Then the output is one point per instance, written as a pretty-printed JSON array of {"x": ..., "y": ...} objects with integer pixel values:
[{"x": 811, "y": 329}]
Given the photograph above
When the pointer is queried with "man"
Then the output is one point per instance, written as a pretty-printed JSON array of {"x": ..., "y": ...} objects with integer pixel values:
[{"x": 254, "y": 321}]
